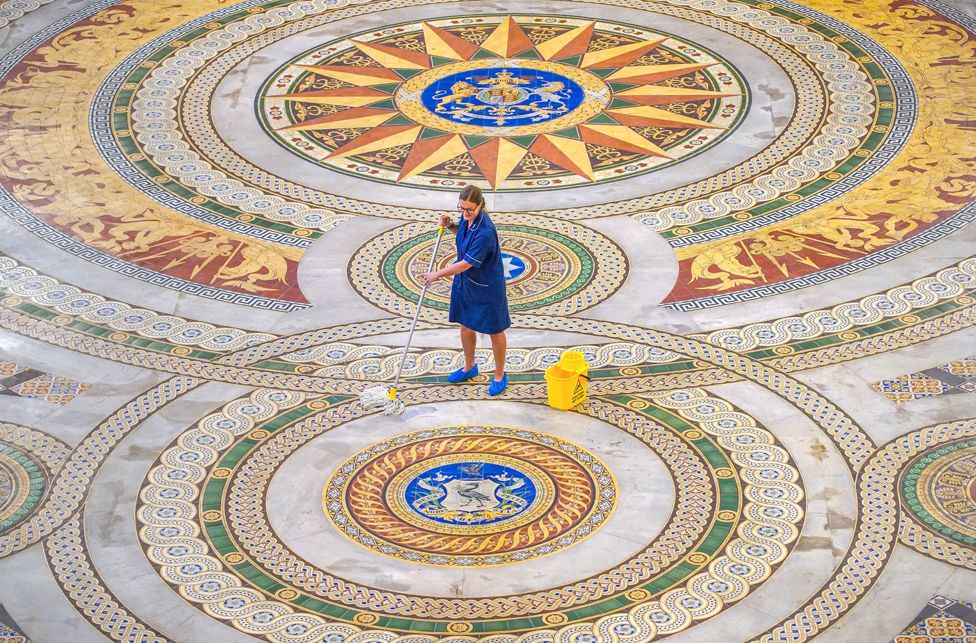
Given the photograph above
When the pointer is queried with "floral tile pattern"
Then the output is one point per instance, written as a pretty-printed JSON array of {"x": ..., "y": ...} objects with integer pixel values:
[
  {"x": 954, "y": 378},
  {"x": 20, "y": 381},
  {"x": 220, "y": 212},
  {"x": 942, "y": 621}
]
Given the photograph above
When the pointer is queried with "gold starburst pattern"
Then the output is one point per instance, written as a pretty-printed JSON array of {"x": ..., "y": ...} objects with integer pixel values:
[{"x": 507, "y": 102}]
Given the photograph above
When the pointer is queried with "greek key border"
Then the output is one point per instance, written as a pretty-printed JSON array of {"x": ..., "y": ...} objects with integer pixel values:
[
  {"x": 23, "y": 217},
  {"x": 906, "y": 115},
  {"x": 100, "y": 128},
  {"x": 10, "y": 14},
  {"x": 956, "y": 222}
]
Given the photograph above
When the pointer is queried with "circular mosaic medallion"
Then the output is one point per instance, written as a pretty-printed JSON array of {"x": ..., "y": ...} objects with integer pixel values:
[
  {"x": 737, "y": 512},
  {"x": 470, "y": 496},
  {"x": 514, "y": 102},
  {"x": 22, "y": 485},
  {"x": 939, "y": 491},
  {"x": 443, "y": 497},
  {"x": 849, "y": 109},
  {"x": 554, "y": 267},
  {"x": 839, "y": 79},
  {"x": 527, "y": 97}
]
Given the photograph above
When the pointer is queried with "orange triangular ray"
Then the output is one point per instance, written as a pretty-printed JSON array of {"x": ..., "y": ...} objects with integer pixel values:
[
  {"x": 571, "y": 43},
  {"x": 619, "y": 56},
  {"x": 446, "y": 45},
  {"x": 654, "y": 117},
  {"x": 355, "y": 117},
  {"x": 358, "y": 76},
  {"x": 343, "y": 97},
  {"x": 507, "y": 39},
  {"x": 430, "y": 153},
  {"x": 497, "y": 158},
  {"x": 654, "y": 73},
  {"x": 620, "y": 137},
  {"x": 394, "y": 56},
  {"x": 379, "y": 138},
  {"x": 659, "y": 95},
  {"x": 567, "y": 153}
]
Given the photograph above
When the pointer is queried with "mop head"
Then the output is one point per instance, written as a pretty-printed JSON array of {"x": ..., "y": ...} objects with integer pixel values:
[{"x": 381, "y": 398}]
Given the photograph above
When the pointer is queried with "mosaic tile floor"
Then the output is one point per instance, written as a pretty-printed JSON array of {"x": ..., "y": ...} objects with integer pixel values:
[
  {"x": 752, "y": 218},
  {"x": 942, "y": 619}
]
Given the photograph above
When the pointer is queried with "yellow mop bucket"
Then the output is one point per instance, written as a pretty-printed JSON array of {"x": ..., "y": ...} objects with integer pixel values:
[{"x": 566, "y": 381}]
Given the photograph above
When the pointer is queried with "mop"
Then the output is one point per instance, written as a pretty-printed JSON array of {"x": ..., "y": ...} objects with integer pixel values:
[{"x": 379, "y": 397}]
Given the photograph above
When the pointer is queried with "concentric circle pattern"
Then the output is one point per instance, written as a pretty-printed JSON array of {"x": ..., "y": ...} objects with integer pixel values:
[
  {"x": 750, "y": 218},
  {"x": 517, "y": 102},
  {"x": 468, "y": 496},
  {"x": 549, "y": 266},
  {"x": 235, "y": 452},
  {"x": 852, "y": 110},
  {"x": 29, "y": 461},
  {"x": 22, "y": 485},
  {"x": 939, "y": 490}
]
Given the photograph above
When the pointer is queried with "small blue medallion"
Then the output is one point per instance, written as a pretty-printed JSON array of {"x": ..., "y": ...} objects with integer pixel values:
[{"x": 514, "y": 266}]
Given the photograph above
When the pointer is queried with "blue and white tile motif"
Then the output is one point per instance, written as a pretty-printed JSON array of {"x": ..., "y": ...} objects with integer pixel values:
[
  {"x": 470, "y": 493},
  {"x": 513, "y": 266},
  {"x": 503, "y": 96}
]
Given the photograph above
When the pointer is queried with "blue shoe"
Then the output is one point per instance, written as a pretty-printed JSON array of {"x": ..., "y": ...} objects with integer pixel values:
[
  {"x": 496, "y": 387},
  {"x": 461, "y": 375}
]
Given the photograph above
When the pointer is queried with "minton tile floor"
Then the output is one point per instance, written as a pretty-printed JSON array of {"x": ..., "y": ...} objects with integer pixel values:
[{"x": 753, "y": 220}]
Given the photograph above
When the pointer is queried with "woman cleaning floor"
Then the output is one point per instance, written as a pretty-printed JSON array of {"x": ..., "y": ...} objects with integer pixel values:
[{"x": 478, "y": 299}]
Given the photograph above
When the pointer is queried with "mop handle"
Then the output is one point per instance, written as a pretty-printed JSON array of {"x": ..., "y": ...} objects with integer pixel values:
[{"x": 416, "y": 315}]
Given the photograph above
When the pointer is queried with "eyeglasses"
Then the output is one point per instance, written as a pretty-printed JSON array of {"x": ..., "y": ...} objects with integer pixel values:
[{"x": 467, "y": 210}]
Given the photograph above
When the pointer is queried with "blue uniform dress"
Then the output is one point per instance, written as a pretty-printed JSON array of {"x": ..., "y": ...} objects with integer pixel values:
[{"x": 478, "y": 298}]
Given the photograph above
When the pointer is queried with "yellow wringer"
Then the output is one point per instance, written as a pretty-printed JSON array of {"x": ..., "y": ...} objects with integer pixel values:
[{"x": 566, "y": 381}]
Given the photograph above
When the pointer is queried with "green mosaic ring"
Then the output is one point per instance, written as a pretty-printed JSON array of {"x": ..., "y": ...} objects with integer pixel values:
[
  {"x": 554, "y": 267},
  {"x": 710, "y": 556},
  {"x": 711, "y": 517},
  {"x": 938, "y": 489},
  {"x": 22, "y": 486}
]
